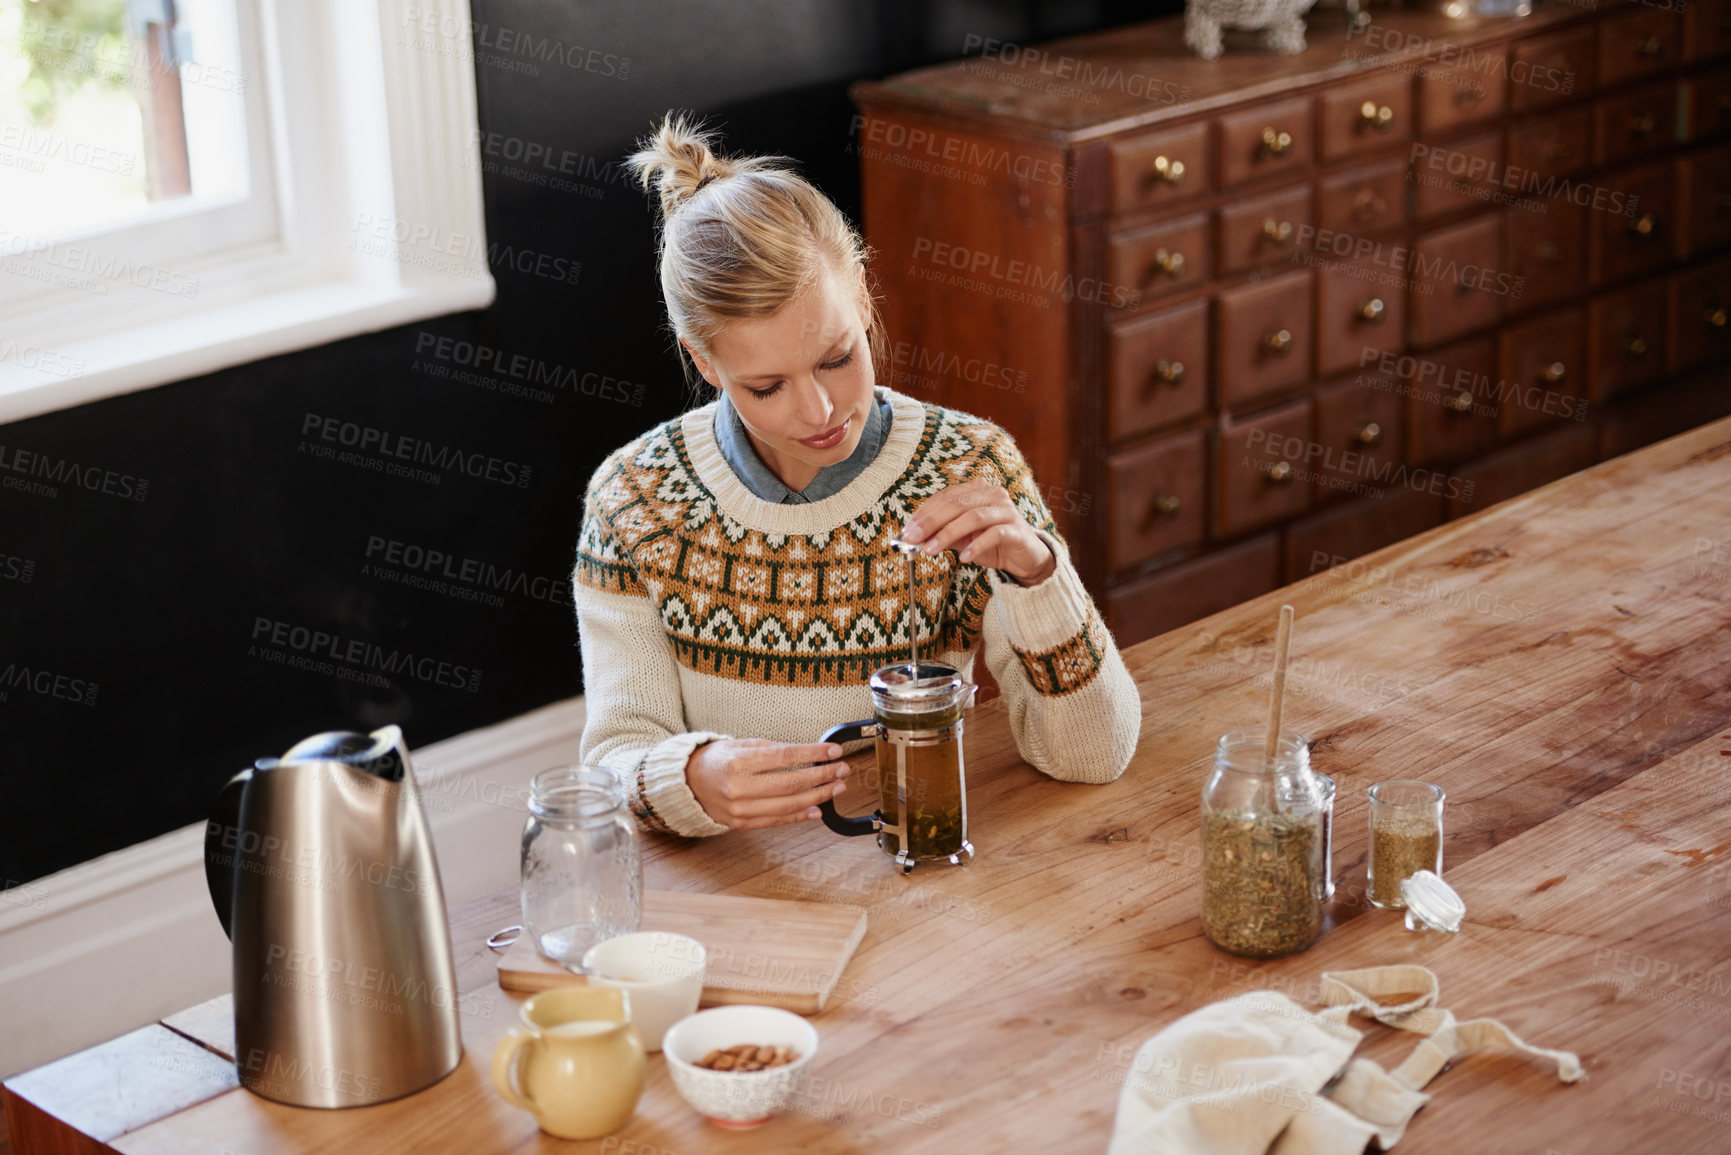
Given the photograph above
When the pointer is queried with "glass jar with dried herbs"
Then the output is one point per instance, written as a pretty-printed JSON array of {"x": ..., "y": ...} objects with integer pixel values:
[{"x": 1262, "y": 847}]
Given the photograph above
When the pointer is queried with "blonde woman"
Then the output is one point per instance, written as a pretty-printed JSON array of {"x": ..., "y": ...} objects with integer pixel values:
[{"x": 734, "y": 584}]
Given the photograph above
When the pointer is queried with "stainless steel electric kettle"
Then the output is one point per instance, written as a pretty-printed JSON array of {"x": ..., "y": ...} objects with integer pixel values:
[{"x": 322, "y": 870}]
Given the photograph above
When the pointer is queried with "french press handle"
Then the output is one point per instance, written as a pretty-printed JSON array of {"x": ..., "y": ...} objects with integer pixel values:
[{"x": 841, "y": 823}]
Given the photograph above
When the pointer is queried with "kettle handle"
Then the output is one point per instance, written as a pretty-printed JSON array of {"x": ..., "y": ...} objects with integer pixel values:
[
  {"x": 221, "y": 862},
  {"x": 841, "y": 823}
]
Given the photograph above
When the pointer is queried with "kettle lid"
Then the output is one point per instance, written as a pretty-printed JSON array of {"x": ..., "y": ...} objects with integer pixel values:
[{"x": 377, "y": 754}]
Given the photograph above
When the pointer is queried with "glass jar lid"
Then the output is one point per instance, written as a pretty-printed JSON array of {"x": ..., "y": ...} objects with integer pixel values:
[
  {"x": 933, "y": 683},
  {"x": 1431, "y": 903}
]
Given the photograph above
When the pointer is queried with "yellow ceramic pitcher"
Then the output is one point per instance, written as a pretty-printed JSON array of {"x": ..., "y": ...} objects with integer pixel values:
[{"x": 576, "y": 1063}]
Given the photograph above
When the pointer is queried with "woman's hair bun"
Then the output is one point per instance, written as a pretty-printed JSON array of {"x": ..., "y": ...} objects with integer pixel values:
[{"x": 676, "y": 161}]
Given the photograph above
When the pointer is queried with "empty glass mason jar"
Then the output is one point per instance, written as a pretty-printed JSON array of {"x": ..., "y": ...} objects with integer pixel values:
[
  {"x": 1264, "y": 831},
  {"x": 582, "y": 873}
]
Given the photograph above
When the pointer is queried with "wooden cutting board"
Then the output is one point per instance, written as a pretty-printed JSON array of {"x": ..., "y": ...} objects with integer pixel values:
[{"x": 770, "y": 951}]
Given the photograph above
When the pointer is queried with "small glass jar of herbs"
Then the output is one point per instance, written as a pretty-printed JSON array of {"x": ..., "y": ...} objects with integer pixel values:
[
  {"x": 1406, "y": 825},
  {"x": 1263, "y": 845}
]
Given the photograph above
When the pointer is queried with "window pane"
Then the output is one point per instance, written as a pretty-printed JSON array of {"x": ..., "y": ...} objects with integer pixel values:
[{"x": 111, "y": 107}]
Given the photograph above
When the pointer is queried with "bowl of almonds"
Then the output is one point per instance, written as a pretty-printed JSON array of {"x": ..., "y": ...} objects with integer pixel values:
[{"x": 739, "y": 1065}]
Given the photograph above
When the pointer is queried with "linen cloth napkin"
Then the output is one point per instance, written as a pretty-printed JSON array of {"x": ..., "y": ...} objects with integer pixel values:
[{"x": 1260, "y": 1075}]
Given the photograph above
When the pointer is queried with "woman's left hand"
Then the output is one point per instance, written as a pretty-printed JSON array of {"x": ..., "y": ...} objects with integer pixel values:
[{"x": 978, "y": 519}]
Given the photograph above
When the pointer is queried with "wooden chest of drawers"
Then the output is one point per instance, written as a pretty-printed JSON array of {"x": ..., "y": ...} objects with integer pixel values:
[{"x": 1276, "y": 311}]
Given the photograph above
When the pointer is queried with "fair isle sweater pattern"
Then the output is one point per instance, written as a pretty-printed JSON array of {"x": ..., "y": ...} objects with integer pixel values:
[{"x": 818, "y": 609}]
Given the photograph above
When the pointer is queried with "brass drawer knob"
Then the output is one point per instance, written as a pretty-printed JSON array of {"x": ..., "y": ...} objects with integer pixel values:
[
  {"x": 1276, "y": 232},
  {"x": 1168, "y": 262},
  {"x": 1370, "y": 433},
  {"x": 1644, "y": 124},
  {"x": 1644, "y": 225},
  {"x": 1368, "y": 205},
  {"x": 1374, "y": 115},
  {"x": 1164, "y": 505},
  {"x": 1169, "y": 170},
  {"x": 1372, "y": 310},
  {"x": 1461, "y": 402},
  {"x": 1550, "y": 252},
  {"x": 1716, "y": 318},
  {"x": 1279, "y": 472},
  {"x": 1553, "y": 373},
  {"x": 1276, "y": 143},
  {"x": 1635, "y": 345},
  {"x": 1466, "y": 96},
  {"x": 1650, "y": 46},
  {"x": 1277, "y": 341},
  {"x": 1167, "y": 373}
]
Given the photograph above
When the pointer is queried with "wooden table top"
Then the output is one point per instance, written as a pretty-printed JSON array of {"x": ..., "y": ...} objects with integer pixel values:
[{"x": 1558, "y": 663}]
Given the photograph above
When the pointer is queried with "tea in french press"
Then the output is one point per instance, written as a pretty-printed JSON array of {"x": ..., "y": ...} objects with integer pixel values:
[{"x": 917, "y": 715}]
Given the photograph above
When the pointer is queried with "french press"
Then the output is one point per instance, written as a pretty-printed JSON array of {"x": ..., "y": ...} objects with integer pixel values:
[{"x": 917, "y": 714}]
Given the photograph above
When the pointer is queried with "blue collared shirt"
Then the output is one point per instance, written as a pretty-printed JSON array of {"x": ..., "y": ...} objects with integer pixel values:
[{"x": 736, "y": 448}]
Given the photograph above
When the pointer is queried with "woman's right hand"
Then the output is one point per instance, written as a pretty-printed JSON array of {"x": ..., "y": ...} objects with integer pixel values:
[{"x": 745, "y": 783}]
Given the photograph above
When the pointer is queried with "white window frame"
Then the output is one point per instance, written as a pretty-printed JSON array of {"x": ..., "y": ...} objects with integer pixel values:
[
  {"x": 377, "y": 185},
  {"x": 149, "y": 250}
]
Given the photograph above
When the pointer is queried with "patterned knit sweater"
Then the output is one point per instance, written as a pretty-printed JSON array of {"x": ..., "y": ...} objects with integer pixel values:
[{"x": 705, "y": 612}]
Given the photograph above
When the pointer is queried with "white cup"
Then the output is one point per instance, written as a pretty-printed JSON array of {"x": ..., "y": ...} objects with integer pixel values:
[{"x": 663, "y": 974}]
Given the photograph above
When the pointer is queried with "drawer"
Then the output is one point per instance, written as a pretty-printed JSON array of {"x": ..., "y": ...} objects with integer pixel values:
[
  {"x": 1705, "y": 181},
  {"x": 1264, "y": 338},
  {"x": 1160, "y": 168},
  {"x": 1473, "y": 91},
  {"x": 1154, "y": 499},
  {"x": 1632, "y": 223},
  {"x": 1706, "y": 29},
  {"x": 1161, "y": 259},
  {"x": 1336, "y": 536},
  {"x": 1271, "y": 138},
  {"x": 1359, "y": 428},
  {"x": 1158, "y": 368},
  {"x": 1363, "y": 200},
  {"x": 1626, "y": 334},
  {"x": 1358, "y": 118},
  {"x": 1139, "y": 610},
  {"x": 1700, "y": 318},
  {"x": 1265, "y": 228},
  {"x": 1540, "y": 375},
  {"x": 1637, "y": 43},
  {"x": 1653, "y": 416},
  {"x": 1456, "y": 176},
  {"x": 1361, "y": 311},
  {"x": 1547, "y": 251},
  {"x": 1634, "y": 124},
  {"x": 1707, "y": 106},
  {"x": 1457, "y": 284},
  {"x": 1259, "y": 470},
  {"x": 1556, "y": 144},
  {"x": 1451, "y": 402},
  {"x": 1549, "y": 69},
  {"x": 1523, "y": 467}
]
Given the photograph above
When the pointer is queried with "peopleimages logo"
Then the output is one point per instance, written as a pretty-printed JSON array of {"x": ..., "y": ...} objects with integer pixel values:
[
  {"x": 313, "y": 644},
  {"x": 435, "y": 569},
  {"x": 1529, "y": 182},
  {"x": 85, "y": 261},
  {"x": 367, "y": 439},
  {"x": 47, "y": 684},
  {"x": 66, "y": 150},
  {"x": 61, "y": 471},
  {"x": 1017, "y": 279}
]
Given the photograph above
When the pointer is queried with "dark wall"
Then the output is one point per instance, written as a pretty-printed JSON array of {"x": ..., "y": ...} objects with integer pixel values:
[{"x": 156, "y": 638}]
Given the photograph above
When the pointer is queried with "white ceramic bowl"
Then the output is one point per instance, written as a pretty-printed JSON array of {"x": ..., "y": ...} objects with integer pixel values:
[
  {"x": 663, "y": 974},
  {"x": 741, "y": 1099}
]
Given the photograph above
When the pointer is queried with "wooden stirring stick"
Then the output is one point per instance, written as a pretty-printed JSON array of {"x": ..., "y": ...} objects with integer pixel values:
[{"x": 1277, "y": 695}]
